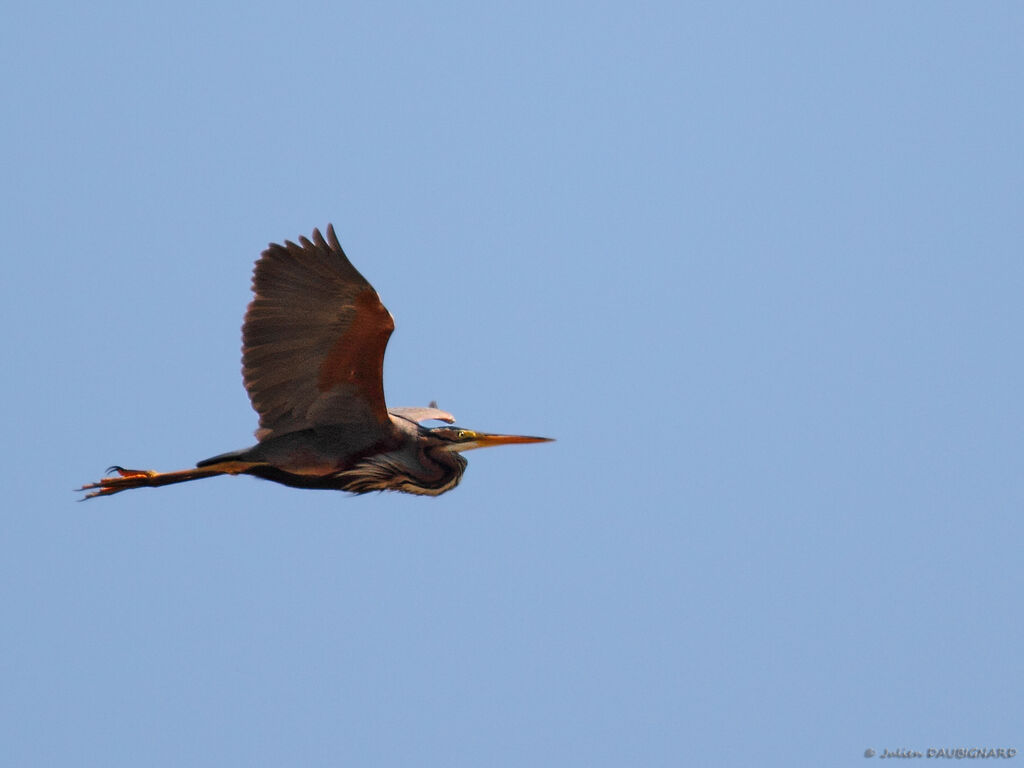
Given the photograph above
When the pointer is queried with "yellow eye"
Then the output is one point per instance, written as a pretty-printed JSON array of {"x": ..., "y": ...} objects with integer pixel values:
[{"x": 463, "y": 433}]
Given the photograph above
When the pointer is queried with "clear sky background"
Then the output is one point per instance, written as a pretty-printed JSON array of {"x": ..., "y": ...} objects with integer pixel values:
[{"x": 757, "y": 267}]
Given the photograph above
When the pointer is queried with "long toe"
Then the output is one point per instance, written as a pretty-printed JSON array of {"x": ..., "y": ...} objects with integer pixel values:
[
  {"x": 130, "y": 472},
  {"x": 127, "y": 478}
]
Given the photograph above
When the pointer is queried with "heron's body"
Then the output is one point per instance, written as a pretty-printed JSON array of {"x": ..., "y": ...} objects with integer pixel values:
[
  {"x": 313, "y": 344},
  {"x": 311, "y": 459}
]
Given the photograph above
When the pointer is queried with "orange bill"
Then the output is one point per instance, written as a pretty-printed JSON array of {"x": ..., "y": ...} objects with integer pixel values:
[{"x": 470, "y": 440}]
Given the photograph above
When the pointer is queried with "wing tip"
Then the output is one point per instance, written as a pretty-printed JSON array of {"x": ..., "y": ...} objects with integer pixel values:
[{"x": 315, "y": 241}]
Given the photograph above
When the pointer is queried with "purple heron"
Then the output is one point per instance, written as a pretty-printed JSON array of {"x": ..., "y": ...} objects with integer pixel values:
[{"x": 313, "y": 343}]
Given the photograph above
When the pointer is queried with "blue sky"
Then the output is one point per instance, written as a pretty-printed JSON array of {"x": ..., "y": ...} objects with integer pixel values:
[{"x": 757, "y": 268}]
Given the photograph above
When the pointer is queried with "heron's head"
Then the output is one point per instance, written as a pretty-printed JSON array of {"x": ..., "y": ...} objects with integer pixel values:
[{"x": 458, "y": 439}]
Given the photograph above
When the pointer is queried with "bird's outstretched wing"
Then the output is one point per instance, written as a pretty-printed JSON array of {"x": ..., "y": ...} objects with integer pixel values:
[
  {"x": 313, "y": 340},
  {"x": 419, "y": 415}
]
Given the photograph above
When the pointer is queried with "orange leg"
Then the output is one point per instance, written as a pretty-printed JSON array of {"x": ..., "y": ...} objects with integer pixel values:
[{"x": 145, "y": 478}]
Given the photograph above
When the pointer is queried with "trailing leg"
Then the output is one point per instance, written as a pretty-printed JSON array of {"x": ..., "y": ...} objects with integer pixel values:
[{"x": 144, "y": 478}]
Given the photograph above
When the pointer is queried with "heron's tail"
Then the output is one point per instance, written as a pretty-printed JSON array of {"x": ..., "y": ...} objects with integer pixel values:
[{"x": 144, "y": 478}]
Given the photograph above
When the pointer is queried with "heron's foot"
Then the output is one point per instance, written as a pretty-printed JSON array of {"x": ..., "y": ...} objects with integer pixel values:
[
  {"x": 127, "y": 478},
  {"x": 130, "y": 472}
]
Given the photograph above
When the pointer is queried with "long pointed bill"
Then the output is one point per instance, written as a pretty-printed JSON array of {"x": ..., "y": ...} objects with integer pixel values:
[{"x": 486, "y": 440}]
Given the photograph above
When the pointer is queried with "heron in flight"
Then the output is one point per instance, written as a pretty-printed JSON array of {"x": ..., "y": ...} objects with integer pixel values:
[{"x": 313, "y": 344}]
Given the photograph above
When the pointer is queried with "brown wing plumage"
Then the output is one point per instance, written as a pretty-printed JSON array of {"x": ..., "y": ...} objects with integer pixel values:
[{"x": 313, "y": 340}]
